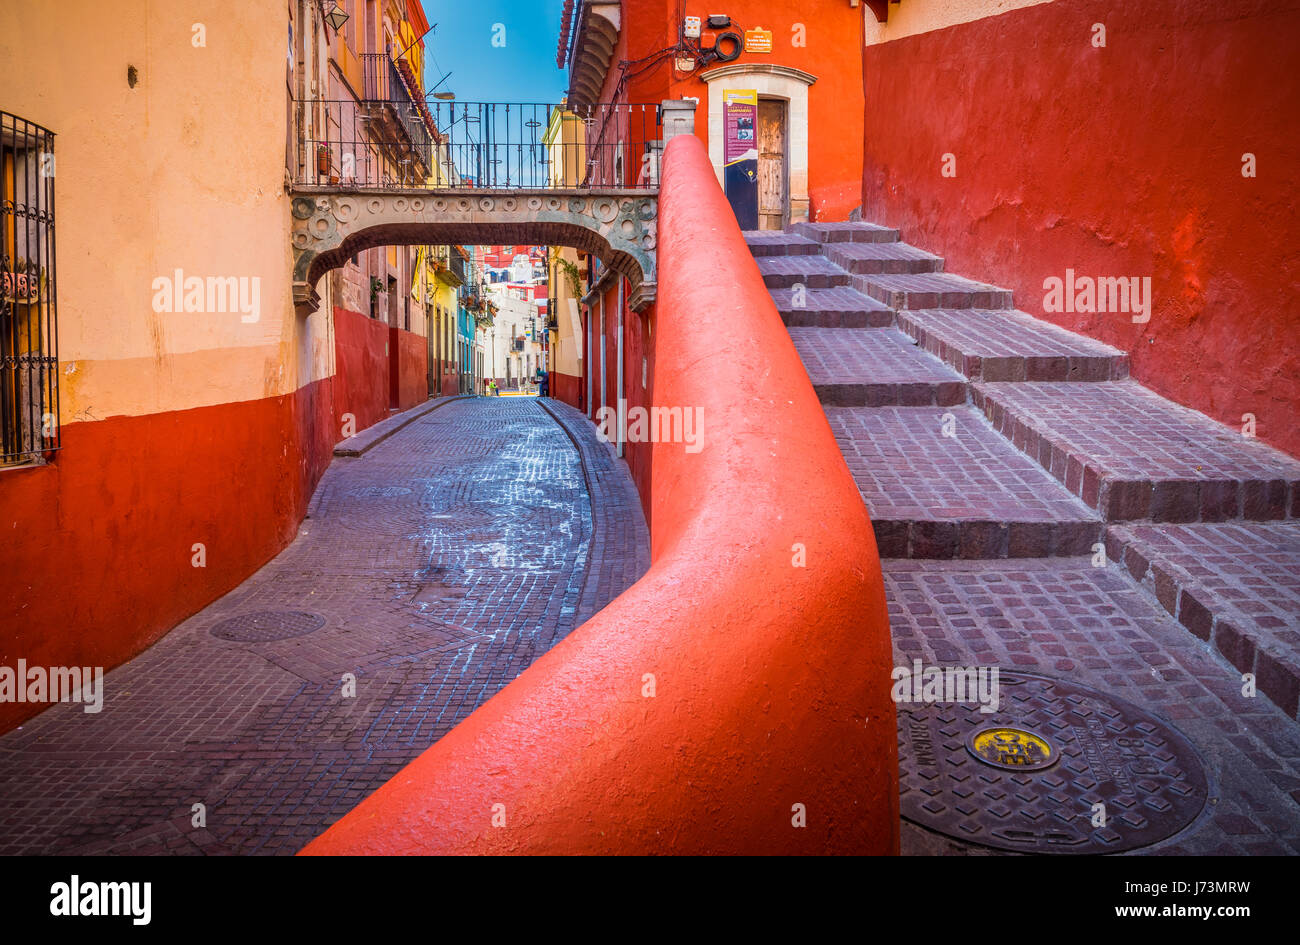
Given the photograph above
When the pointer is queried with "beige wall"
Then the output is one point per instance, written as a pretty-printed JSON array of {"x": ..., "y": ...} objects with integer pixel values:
[
  {"x": 921, "y": 16},
  {"x": 566, "y": 349},
  {"x": 184, "y": 171}
]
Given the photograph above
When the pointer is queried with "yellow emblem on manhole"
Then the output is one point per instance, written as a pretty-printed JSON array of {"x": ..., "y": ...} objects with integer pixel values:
[{"x": 1014, "y": 748}]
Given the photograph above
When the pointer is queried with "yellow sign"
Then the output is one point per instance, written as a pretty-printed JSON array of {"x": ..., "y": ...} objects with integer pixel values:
[
  {"x": 758, "y": 41},
  {"x": 1012, "y": 748}
]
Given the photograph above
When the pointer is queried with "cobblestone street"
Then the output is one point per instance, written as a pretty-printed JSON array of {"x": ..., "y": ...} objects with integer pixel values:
[{"x": 434, "y": 569}]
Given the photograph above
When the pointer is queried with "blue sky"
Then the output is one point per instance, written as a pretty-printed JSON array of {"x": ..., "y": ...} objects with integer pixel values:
[{"x": 523, "y": 70}]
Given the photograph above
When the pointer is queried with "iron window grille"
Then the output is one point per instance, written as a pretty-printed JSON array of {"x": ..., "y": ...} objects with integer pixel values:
[{"x": 29, "y": 358}]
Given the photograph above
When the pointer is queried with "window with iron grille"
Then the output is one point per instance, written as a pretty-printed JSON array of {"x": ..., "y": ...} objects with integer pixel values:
[{"x": 29, "y": 357}]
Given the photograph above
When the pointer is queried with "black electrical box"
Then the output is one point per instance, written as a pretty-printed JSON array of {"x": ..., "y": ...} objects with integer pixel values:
[{"x": 719, "y": 22}]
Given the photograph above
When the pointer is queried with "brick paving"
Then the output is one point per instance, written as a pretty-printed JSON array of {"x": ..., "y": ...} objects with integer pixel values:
[
  {"x": 851, "y": 368},
  {"x": 883, "y": 258},
  {"x": 846, "y": 232},
  {"x": 812, "y": 272},
  {"x": 969, "y": 495},
  {"x": 779, "y": 243},
  {"x": 1055, "y": 444},
  {"x": 1011, "y": 346},
  {"x": 1134, "y": 455},
  {"x": 932, "y": 290},
  {"x": 1234, "y": 585},
  {"x": 1090, "y": 625},
  {"x": 840, "y": 307},
  {"x": 443, "y": 562}
]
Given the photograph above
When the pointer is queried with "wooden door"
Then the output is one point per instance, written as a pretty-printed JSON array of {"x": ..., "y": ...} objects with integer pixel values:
[{"x": 773, "y": 189}]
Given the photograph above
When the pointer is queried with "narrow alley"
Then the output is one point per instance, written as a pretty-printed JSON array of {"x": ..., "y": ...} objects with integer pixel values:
[{"x": 432, "y": 570}]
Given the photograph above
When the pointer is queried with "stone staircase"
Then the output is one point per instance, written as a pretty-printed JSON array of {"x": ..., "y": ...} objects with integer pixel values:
[{"x": 975, "y": 431}]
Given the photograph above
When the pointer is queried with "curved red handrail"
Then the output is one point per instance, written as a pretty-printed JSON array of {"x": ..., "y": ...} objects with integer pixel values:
[{"x": 771, "y": 679}]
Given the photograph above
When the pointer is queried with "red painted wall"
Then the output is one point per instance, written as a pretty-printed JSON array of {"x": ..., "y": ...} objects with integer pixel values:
[
  {"x": 362, "y": 380},
  {"x": 377, "y": 367},
  {"x": 97, "y": 560},
  {"x": 771, "y": 680},
  {"x": 568, "y": 388},
  {"x": 1116, "y": 161},
  {"x": 410, "y": 381}
]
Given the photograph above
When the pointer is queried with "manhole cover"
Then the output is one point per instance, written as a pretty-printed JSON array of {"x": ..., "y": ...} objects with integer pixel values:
[
  {"x": 1058, "y": 768},
  {"x": 268, "y": 625}
]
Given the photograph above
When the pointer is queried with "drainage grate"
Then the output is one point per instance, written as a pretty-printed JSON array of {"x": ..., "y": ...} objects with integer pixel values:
[
  {"x": 1028, "y": 776},
  {"x": 268, "y": 625}
]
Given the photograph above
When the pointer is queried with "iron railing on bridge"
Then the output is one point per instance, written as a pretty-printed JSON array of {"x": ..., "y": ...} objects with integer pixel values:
[{"x": 487, "y": 145}]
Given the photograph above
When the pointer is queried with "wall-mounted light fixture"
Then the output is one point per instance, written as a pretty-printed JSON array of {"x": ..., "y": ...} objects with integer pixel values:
[{"x": 336, "y": 17}]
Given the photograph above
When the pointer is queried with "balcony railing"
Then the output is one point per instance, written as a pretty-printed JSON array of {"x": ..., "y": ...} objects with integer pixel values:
[{"x": 488, "y": 145}]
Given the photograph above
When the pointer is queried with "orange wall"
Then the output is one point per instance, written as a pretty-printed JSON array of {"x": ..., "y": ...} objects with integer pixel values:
[
  {"x": 833, "y": 36},
  {"x": 1135, "y": 169}
]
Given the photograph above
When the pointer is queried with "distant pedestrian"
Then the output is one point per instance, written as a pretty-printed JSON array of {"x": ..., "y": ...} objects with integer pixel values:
[
  {"x": 543, "y": 384},
  {"x": 495, "y": 392},
  {"x": 487, "y": 387}
]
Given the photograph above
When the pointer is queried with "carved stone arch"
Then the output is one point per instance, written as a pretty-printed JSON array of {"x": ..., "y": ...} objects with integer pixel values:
[{"x": 618, "y": 227}]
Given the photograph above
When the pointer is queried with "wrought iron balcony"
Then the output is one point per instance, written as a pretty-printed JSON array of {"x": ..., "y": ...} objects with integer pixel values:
[{"x": 484, "y": 145}]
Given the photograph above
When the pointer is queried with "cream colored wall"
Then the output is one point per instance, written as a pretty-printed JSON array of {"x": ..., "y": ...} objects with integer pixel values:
[
  {"x": 566, "y": 351},
  {"x": 921, "y": 16},
  {"x": 185, "y": 171}
]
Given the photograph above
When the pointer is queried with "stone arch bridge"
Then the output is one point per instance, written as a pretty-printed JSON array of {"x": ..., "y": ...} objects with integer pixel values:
[{"x": 331, "y": 224}]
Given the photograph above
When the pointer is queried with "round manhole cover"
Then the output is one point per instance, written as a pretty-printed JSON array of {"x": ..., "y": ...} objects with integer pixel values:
[
  {"x": 1058, "y": 768},
  {"x": 268, "y": 625}
]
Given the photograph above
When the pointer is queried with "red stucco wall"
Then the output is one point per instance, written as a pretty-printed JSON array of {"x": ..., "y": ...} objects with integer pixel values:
[
  {"x": 103, "y": 565},
  {"x": 410, "y": 382},
  {"x": 1116, "y": 161},
  {"x": 568, "y": 388},
  {"x": 362, "y": 380}
]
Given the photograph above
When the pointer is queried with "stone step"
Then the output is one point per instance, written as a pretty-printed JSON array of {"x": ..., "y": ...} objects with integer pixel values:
[
  {"x": 780, "y": 243},
  {"x": 1235, "y": 585},
  {"x": 931, "y": 290},
  {"x": 845, "y": 232},
  {"x": 882, "y": 258},
  {"x": 939, "y": 482},
  {"x": 853, "y": 368},
  {"x": 840, "y": 307},
  {"x": 1131, "y": 454},
  {"x": 991, "y": 345},
  {"x": 812, "y": 272}
]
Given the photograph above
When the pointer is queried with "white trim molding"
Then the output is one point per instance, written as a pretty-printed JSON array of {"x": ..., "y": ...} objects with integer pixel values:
[{"x": 770, "y": 81}]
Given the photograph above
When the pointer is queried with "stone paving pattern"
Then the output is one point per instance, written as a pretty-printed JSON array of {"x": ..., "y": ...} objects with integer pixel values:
[
  {"x": 1011, "y": 346},
  {"x": 970, "y": 495},
  {"x": 931, "y": 290},
  {"x": 1093, "y": 626},
  {"x": 1234, "y": 585},
  {"x": 852, "y": 368},
  {"x": 838, "y": 307},
  {"x": 1134, "y": 455},
  {"x": 882, "y": 258},
  {"x": 443, "y": 561},
  {"x": 1173, "y": 614}
]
